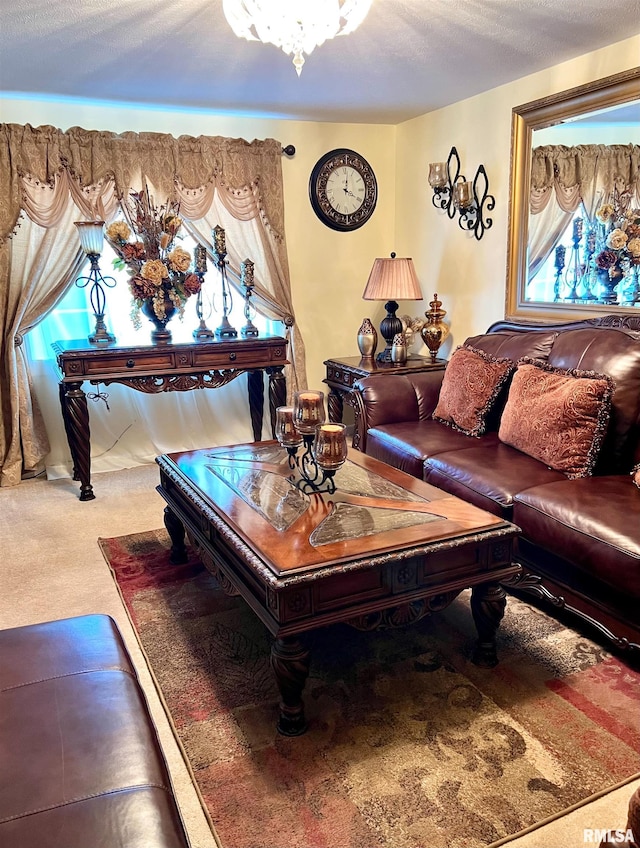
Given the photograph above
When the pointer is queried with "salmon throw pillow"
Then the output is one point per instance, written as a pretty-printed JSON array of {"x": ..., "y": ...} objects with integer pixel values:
[
  {"x": 470, "y": 387},
  {"x": 557, "y": 416}
]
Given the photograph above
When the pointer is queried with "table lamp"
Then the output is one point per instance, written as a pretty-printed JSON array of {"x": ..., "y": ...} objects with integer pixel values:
[{"x": 391, "y": 280}]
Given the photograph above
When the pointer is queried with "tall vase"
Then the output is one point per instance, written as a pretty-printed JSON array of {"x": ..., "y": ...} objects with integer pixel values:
[
  {"x": 435, "y": 331},
  {"x": 161, "y": 335}
]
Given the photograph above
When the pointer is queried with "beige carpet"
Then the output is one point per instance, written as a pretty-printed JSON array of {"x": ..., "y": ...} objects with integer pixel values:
[{"x": 51, "y": 567}]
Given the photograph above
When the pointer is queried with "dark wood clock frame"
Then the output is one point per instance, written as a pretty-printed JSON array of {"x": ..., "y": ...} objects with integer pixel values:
[{"x": 321, "y": 172}]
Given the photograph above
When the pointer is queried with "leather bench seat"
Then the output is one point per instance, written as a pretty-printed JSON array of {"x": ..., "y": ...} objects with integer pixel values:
[
  {"x": 80, "y": 762},
  {"x": 592, "y": 527},
  {"x": 505, "y": 471}
]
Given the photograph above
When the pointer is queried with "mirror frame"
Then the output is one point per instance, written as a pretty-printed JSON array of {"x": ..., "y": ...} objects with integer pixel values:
[{"x": 538, "y": 114}]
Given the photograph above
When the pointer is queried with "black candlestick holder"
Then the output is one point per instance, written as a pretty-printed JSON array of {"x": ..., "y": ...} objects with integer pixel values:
[{"x": 312, "y": 479}]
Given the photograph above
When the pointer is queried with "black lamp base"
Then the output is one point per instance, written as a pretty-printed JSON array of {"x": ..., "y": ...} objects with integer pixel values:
[{"x": 389, "y": 327}]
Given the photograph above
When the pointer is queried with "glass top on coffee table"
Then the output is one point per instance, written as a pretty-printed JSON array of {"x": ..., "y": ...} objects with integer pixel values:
[{"x": 375, "y": 507}]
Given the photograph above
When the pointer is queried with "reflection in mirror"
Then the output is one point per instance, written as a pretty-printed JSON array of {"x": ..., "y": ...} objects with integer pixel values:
[{"x": 575, "y": 189}]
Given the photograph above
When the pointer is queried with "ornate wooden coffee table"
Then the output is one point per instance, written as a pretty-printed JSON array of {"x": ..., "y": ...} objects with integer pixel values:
[{"x": 385, "y": 549}]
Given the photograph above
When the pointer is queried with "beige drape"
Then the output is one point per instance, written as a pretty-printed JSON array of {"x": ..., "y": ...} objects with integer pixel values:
[
  {"x": 50, "y": 178},
  {"x": 564, "y": 178}
]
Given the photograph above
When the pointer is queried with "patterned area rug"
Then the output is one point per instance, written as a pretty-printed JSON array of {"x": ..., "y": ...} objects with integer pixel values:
[{"x": 409, "y": 744}]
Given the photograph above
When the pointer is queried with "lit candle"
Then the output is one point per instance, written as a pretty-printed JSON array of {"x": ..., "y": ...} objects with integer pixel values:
[
  {"x": 201, "y": 258},
  {"x": 308, "y": 411},
  {"x": 219, "y": 240},
  {"x": 437, "y": 174},
  {"x": 246, "y": 273},
  {"x": 330, "y": 446},
  {"x": 464, "y": 195},
  {"x": 286, "y": 432}
]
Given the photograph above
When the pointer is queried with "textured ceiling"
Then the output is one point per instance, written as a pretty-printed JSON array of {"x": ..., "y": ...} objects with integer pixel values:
[{"x": 407, "y": 58}]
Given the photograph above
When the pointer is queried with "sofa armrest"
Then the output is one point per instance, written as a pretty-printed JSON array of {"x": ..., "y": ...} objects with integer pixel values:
[{"x": 391, "y": 398}]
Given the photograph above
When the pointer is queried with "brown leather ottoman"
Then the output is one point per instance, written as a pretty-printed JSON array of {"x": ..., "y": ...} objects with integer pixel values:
[{"x": 80, "y": 762}]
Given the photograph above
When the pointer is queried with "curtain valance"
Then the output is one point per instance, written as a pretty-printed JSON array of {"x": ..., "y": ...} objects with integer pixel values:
[
  {"x": 93, "y": 158},
  {"x": 583, "y": 171}
]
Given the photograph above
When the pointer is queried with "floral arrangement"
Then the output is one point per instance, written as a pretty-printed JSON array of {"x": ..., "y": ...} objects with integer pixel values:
[
  {"x": 620, "y": 239},
  {"x": 158, "y": 271}
]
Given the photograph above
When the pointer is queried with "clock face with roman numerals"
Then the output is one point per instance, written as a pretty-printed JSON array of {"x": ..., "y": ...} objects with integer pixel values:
[{"x": 343, "y": 190}]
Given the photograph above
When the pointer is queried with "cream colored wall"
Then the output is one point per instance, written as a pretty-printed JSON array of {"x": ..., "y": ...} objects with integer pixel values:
[
  {"x": 469, "y": 275},
  {"x": 328, "y": 269}
]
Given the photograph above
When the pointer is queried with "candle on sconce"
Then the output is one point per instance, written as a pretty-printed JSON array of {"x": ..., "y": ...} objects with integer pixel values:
[
  {"x": 464, "y": 195},
  {"x": 330, "y": 446},
  {"x": 560, "y": 253},
  {"x": 285, "y": 429},
  {"x": 308, "y": 411},
  {"x": 437, "y": 174},
  {"x": 246, "y": 273},
  {"x": 219, "y": 240},
  {"x": 200, "y": 254}
]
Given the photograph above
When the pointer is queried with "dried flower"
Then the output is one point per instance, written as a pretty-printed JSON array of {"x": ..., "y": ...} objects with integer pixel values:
[
  {"x": 606, "y": 259},
  {"x": 616, "y": 239},
  {"x": 157, "y": 269},
  {"x": 605, "y": 212},
  {"x": 118, "y": 231},
  {"x": 633, "y": 246},
  {"x": 179, "y": 259}
]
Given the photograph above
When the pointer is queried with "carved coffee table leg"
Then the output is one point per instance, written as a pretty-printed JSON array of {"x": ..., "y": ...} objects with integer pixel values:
[
  {"x": 488, "y": 602},
  {"x": 175, "y": 529},
  {"x": 290, "y": 663}
]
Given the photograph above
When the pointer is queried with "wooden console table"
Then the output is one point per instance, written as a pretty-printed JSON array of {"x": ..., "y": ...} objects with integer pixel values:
[
  {"x": 154, "y": 368},
  {"x": 342, "y": 374}
]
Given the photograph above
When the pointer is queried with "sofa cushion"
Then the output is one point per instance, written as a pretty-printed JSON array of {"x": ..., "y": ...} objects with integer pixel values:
[
  {"x": 616, "y": 353},
  {"x": 470, "y": 386},
  {"x": 408, "y": 444},
  {"x": 488, "y": 477},
  {"x": 593, "y": 522},
  {"x": 557, "y": 416}
]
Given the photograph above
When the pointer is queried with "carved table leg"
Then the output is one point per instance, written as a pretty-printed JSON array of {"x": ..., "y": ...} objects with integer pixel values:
[
  {"x": 488, "y": 602},
  {"x": 277, "y": 393},
  {"x": 175, "y": 529},
  {"x": 255, "y": 384},
  {"x": 335, "y": 406},
  {"x": 290, "y": 663},
  {"x": 76, "y": 419}
]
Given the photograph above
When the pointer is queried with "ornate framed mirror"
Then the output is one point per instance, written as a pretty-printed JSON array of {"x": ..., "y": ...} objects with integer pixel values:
[{"x": 594, "y": 98}]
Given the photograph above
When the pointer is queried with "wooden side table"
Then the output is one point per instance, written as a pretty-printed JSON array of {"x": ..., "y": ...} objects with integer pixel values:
[
  {"x": 343, "y": 373},
  {"x": 154, "y": 368}
]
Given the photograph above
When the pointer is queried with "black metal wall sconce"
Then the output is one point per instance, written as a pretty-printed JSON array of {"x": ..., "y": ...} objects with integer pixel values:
[{"x": 453, "y": 193}]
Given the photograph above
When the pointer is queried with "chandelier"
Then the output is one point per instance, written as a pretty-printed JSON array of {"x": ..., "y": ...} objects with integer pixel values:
[{"x": 295, "y": 26}]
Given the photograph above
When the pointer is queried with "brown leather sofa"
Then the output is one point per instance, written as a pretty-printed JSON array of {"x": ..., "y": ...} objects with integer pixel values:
[
  {"x": 80, "y": 762},
  {"x": 580, "y": 542}
]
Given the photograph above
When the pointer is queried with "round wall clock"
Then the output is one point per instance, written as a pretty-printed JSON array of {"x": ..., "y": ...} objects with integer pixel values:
[{"x": 343, "y": 190}]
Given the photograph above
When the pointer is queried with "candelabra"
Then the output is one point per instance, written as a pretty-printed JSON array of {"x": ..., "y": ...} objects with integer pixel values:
[
  {"x": 202, "y": 332},
  {"x": 454, "y": 194},
  {"x": 225, "y": 330},
  {"x": 92, "y": 239},
  {"x": 574, "y": 268},
  {"x": 246, "y": 278},
  {"x": 325, "y": 445}
]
